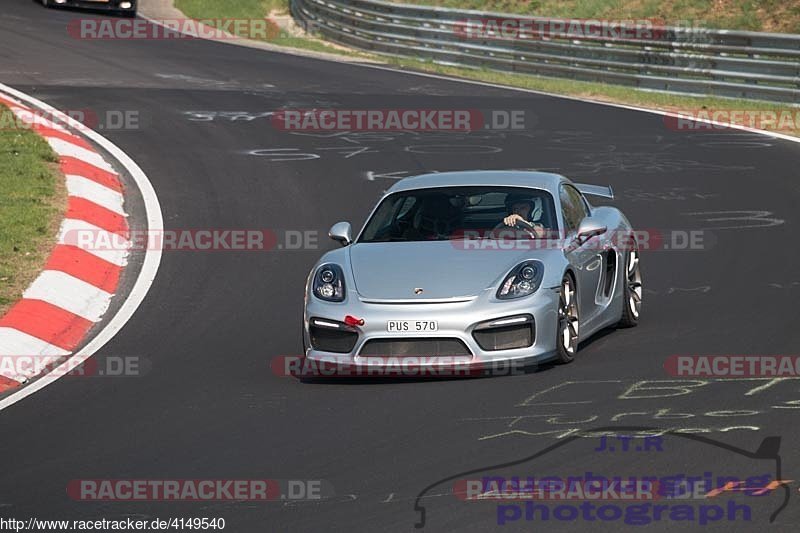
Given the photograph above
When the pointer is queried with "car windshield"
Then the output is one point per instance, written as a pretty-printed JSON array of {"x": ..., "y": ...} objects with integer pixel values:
[{"x": 461, "y": 212}]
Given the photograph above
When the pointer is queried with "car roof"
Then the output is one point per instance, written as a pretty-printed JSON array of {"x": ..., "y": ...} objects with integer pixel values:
[{"x": 504, "y": 178}]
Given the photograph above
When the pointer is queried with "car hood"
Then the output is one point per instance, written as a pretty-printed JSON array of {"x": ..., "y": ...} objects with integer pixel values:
[{"x": 442, "y": 269}]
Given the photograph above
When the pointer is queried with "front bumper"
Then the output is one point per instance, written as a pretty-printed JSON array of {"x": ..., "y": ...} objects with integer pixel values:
[
  {"x": 457, "y": 321},
  {"x": 111, "y": 5}
]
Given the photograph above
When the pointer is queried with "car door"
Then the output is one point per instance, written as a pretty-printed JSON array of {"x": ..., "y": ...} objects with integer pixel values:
[{"x": 586, "y": 258}]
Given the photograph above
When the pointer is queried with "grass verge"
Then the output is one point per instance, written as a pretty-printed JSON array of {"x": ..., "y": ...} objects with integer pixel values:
[
  {"x": 753, "y": 15},
  {"x": 32, "y": 203},
  {"x": 214, "y": 10}
]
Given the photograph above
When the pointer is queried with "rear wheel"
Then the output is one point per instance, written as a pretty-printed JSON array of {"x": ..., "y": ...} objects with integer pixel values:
[
  {"x": 568, "y": 322},
  {"x": 632, "y": 291}
]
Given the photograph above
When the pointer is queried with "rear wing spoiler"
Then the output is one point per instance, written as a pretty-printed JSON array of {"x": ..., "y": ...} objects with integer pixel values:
[{"x": 595, "y": 190}]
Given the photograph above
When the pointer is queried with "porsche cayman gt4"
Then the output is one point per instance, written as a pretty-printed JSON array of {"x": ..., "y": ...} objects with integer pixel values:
[{"x": 476, "y": 266}]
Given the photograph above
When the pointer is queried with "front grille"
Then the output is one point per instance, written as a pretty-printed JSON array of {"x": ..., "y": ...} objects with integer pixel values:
[
  {"x": 505, "y": 337},
  {"x": 332, "y": 340},
  {"x": 415, "y": 347}
]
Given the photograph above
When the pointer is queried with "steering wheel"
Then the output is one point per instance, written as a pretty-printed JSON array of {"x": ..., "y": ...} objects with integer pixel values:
[{"x": 522, "y": 224}]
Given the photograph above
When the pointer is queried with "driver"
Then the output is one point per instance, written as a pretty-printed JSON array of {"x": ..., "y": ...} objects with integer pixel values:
[{"x": 520, "y": 208}]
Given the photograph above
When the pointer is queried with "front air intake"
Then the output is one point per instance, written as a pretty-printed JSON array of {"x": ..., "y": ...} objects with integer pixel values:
[{"x": 415, "y": 347}]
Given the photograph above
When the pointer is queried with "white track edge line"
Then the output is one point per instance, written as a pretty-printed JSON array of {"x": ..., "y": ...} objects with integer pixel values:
[{"x": 152, "y": 258}]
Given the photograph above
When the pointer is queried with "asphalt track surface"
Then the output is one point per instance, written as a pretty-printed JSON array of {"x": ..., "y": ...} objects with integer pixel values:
[{"x": 209, "y": 407}]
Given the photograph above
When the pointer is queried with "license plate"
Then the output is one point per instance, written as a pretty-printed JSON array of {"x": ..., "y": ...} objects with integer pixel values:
[{"x": 411, "y": 326}]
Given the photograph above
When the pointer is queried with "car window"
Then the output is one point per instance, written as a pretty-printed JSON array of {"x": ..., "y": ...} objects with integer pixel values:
[
  {"x": 441, "y": 213},
  {"x": 406, "y": 206},
  {"x": 573, "y": 207},
  {"x": 387, "y": 212}
]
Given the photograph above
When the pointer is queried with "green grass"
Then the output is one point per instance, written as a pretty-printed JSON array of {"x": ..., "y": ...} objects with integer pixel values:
[
  {"x": 256, "y": 9},
  {"x": 228, "y": 8},
  {"x": 754, "y": 15},
  {"x": 31, "y": 206}
]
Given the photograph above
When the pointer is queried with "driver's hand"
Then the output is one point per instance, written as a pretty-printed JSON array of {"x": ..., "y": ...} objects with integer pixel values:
[{"x": 511, "y": 220}]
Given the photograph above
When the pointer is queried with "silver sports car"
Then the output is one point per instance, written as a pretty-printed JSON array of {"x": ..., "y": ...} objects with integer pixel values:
[{"x": 481, "y": 266}]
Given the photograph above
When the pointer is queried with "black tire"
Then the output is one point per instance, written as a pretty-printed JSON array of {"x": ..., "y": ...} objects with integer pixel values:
[
  {"x": 46, "y": 3},
  {"x": 567, "y": 332},
  {"x": 631, "y": 291}
]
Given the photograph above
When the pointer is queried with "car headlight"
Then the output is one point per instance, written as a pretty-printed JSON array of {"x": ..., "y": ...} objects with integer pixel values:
[
  {"x": 329, "y": 283},
  {"x": 523, "y": 280}
]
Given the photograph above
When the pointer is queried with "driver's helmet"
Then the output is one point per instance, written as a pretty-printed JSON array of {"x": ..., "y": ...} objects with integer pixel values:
[{"x": 534, "y": 203}]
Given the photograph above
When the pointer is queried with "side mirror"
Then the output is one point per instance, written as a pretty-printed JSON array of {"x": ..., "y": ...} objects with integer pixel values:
[
  {"x": 342, "y": 232},
  {"x": 588, "y": 228}
]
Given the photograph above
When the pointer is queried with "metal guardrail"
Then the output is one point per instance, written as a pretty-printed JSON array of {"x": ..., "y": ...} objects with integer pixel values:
[{"x": 739, "y": 64}]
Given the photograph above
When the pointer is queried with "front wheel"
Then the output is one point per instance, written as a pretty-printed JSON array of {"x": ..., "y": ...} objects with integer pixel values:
[
  {"x": 568, "y": 322},
  {"x": 631, "y": 292}
]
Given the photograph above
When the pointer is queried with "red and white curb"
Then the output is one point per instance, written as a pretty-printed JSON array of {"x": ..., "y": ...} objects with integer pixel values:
[{"x": 76, "y": 287}]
